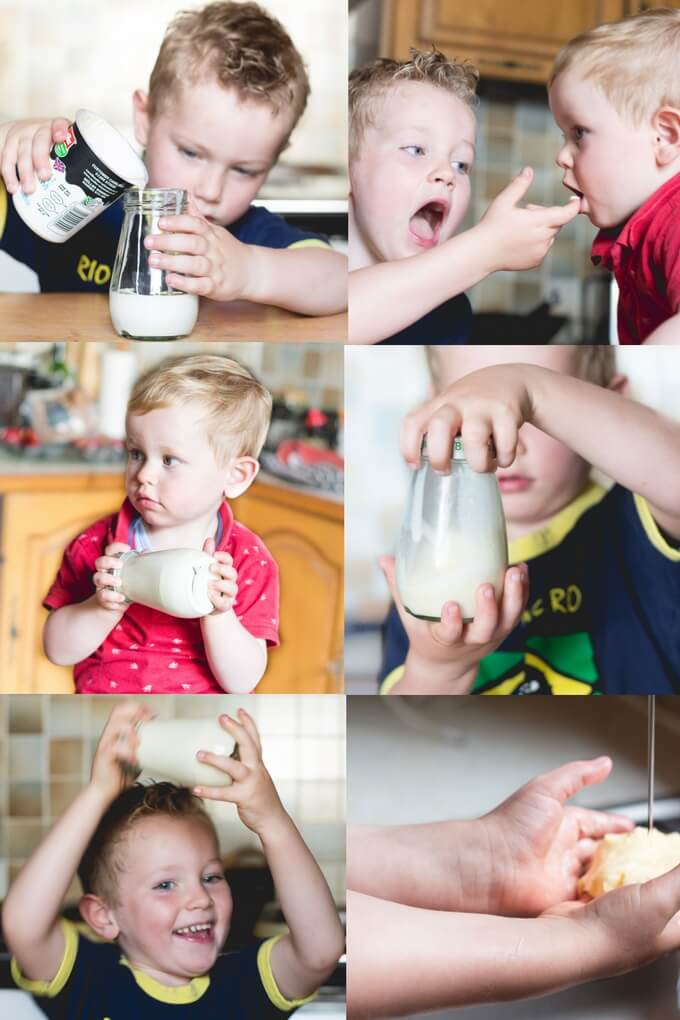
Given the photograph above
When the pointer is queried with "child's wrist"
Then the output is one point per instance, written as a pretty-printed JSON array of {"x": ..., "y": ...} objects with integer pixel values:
[
  {"x": 424, "y": 675},
  {"x": 276, "y": 828}
]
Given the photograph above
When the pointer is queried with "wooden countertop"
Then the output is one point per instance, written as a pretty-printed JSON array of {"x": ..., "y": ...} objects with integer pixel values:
[{"x": 86, "y": 317}]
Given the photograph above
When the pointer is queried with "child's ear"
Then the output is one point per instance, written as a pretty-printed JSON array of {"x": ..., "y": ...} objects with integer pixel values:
[
  {"x": 240, "y": 475},
  {"x": 666, "y": 125},
  {"x": 98, "y": 916},
  {"x": 140, "y": 116}
]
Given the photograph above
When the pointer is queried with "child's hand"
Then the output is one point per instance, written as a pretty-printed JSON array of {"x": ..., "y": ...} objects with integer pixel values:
[
  {"x": 489, "y": 404},
  {"x": 539, "y": 845},
  {"x": 520, "y": 238},
  {"x": 222, "y": 593},
  {"x": 450, "y": 651},
  {"x": 107, "y": 584},
  {"x": 25, "y": 149},
  {"x": 201, "y": 258},
  {"x": 252, "y": 789},
  {"x": 115, "y": 760}
]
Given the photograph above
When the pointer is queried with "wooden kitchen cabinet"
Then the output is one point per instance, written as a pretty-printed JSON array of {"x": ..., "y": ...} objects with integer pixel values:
[
  {"x": 40, "y": 514},
  {"x": 502, "y": 38}
]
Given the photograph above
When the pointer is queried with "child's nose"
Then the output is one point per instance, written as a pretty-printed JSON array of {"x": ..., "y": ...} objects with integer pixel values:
[
  {"x": 443, "y": 173},
  {"x": 198, "y": 897},
  {"x": 145, "y": 472},
  {"x": 563, "y": 157},
  {"x": 210, "y": 185}
]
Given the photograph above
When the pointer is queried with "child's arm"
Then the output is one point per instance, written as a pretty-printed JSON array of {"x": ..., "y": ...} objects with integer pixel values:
[
  {"x": 204, "y": 258},
  {"x": 303, "y": 958},
  {"x": 25, "y": 150},
  {"x": 30, "y": 916},
  {"x": 406, "y": 959},
  {"x": 443, "y": 657},
  {"x": 521, "y": 859},
  {"x": 73, "y": 632},
  {"x": 636, "y": 446},
  {"x": 236, "y": 658},
  {"x": 668, "y": 333},
  {"x": 387, "y": 297}
]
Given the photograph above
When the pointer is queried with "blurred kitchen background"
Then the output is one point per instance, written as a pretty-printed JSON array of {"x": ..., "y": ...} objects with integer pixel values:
[
  {"x": 46, "y": 749},
  {"x": 460, "y": 757},
  {"x": 381, "y": 385},
  {"x": 62, "y": 461},
  {"x": 56, "y": 59},
  {"x": 513, "y": 45}
]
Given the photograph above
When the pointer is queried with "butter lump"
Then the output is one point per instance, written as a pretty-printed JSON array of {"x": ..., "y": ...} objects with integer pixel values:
[{"x": 629, "y": 857}]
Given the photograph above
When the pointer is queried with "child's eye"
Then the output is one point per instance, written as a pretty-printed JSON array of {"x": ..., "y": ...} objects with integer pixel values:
[
  {"x": 189, "y": 153},
  {"x": 414, "y": 150},
  {"x": 135, "y": 454},
  {"x": 241, "y": 170},
  {"x": 213, "y": 879},
  {"x": 165, "y": 886},
  {"x": 579, "y": 133},
  {"x": 169, "y": 460},
  {"x": 460, "y": 167}
]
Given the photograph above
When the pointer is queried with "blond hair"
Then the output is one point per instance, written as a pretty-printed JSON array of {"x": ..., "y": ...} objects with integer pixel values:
[
  {"x": 237, "y": 406},
  {"x": 635, "y": 62},
  {"x": 103, "y": 862},
  {"x": 239, "y": 44},
  {"x": 593, "y": 364},
  {"x": 369, "y": 83}
]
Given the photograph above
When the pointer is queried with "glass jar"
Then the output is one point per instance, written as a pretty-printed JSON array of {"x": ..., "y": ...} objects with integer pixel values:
[
  {"x": 141, "y": 303},
  {"x": 452, "y": 538}
]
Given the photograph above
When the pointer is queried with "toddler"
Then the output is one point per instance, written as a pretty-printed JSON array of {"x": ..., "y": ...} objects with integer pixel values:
[
  {"x": 615, "y": 94},
  {"x": 411, "y": 152},
  {"x": 225, "y": 94},
  {"x": 155, "y": 900},
  {"x": 590, "y": 604},
  {"x": 195, "y": 426}
]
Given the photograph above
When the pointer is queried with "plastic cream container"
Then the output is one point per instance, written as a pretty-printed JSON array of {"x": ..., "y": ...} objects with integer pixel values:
[{"x": 90, "y": 171}]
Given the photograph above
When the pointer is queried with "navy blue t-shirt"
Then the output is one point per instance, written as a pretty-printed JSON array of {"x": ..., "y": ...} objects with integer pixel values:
[
  {"x": 85, "y": 261},
  {"x": 98, "y": 984},
  {"x": 450, "y": 323},
  {"x": 603, "y": 615}
]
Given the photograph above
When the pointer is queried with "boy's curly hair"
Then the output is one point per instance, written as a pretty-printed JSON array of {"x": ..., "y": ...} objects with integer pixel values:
[
  {"x": 242, "y": 46},
  {"x": 369, "y": 83},
  {"x": 103, "y": 863},
  {"x": 635, "y": 61}
]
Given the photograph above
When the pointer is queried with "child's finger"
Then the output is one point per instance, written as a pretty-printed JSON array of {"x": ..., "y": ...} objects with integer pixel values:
[
  {"x": 595, "y": 824},
  {"x": 482, "y": 628},
  {"x": 249, "y": 723},
  {"x": 450, "y": 627},
  {"x": 209, "y": 546},
  {"x": 477, "y": 433},
  {"x": 25, "y": 165},
  {"x": 42, "y": 143},
  {"x": 559, "y": 215},
  {"x": 413, "y": 427},
  {"x": 224, "y": 557},
  {"x": 236, "y": 770},
  {"x": 515, "y": 191},
  {"x": 199, "y": 285},
  {"x": 116, "y": 547},
  {"x": 505, "y": 429},
  {"x": 247, "y": 749},
  {"x": 442, "y": 428},
  {"x": 185, "y": 265},
  {"x": 564, "y": 782},
  {"x": 515, "y": 596}
]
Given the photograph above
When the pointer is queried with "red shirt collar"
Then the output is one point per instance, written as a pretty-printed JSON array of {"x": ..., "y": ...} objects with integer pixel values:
[{"x": 629, "y": 235}]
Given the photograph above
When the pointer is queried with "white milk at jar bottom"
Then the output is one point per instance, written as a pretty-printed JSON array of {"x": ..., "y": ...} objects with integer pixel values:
[
  {"x": 431, "y": 581},
  {"x": 153, "y": 316},
  {"x": 167, "y": 750}
]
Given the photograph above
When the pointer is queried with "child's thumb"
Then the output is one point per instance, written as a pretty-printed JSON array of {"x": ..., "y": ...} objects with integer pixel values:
[{"x": 518, "y": 187}]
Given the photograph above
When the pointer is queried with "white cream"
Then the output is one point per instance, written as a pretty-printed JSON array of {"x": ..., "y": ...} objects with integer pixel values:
[
  {"x": 152, "y": 316},
  {"x": 167, "y": 749},
  {"x": 172, "y": 580},
  {"x": 452, "y": 571},
  {"x": 90, "y": 171}
]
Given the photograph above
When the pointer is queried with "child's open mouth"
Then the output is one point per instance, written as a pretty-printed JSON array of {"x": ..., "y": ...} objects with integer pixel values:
[
  {"x": 202, "y": 933},
  {"x": 425, "y": 224},
  {"x": 583, "y": 203}
]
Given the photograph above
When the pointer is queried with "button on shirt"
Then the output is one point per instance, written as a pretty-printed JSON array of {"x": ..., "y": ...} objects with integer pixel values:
[
  {"x": 644, "y": 256},
  {"x": 150, "y": 652}
]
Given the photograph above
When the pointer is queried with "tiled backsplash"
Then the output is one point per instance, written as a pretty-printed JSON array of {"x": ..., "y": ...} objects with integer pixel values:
[
  {"x": 47, "y": 743},
  {"x": 55, "y": 58}
]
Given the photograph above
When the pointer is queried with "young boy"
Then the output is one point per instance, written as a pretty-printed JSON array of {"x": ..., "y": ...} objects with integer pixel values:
[
  {"x": 195, "y": 426},
  {"x": 155, "y": 898},
  {"x": 485, "y": 910},
  {"x": 412, "y": 146},
  {"x": 596, "y": 609},
  {"x": 615, "y": 94},
  {"x": 225, "y": 94}
]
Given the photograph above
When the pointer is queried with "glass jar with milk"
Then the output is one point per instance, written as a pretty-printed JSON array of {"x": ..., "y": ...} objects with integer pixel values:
[
  {"x": 141, "y": 303},
  {"x": 452, "y": 538}
]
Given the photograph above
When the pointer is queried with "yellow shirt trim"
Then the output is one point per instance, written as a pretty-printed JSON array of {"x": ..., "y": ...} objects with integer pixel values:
[
  {"x": 652, "y": 530},
  {"x": 391, "y": 680},
  {"x": 3, "y": 207},
  {"x": 52, "y": 988},
  {"x": 309, "y": 242},
  {"x": 172, "y": 994},
  {"x": 264, "y": 966},
  {"x": 528, "y": 547}
]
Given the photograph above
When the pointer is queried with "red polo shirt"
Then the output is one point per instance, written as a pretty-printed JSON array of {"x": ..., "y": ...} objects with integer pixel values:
[
  {"x": 644, "y": 256},
  {"x": 149, "y": 652}
]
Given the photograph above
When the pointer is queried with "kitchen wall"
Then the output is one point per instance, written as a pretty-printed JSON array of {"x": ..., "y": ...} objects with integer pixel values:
[
  {"x": 47, "y": 743},
  {"x": 515, "y": 129}
]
